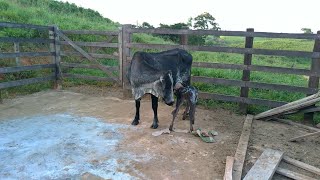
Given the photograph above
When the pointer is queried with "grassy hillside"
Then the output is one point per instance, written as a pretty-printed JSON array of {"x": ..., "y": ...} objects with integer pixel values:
[{"x": 49, "y": 12}]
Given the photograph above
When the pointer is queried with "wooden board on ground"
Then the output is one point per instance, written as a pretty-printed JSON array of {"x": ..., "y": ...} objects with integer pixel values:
[
  {"x": 265, "y": 166},
  {"x": 242, "y": 148},
  {"x": 229, "y": 167},
  {"x": 304, "y": 136},
  {"x": 296, "y": 124},
  {"x": 301, "y": 165},
  {"x": 292, "y": 174}
]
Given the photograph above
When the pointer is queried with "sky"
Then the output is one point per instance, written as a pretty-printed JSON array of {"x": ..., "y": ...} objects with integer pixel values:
[{"x": 287, "y": 16}]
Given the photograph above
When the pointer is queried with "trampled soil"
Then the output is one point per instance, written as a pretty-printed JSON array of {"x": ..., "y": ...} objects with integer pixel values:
[{"x": 138, "y": 154}]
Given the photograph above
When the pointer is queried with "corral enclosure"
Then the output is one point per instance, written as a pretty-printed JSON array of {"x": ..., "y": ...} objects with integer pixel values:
[
  {"x": 44, "y": 56},
  {"x": 237, "y": 73}
]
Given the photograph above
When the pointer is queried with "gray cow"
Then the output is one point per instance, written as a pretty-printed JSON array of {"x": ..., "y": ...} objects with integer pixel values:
[{"x": 158, "y": 74}]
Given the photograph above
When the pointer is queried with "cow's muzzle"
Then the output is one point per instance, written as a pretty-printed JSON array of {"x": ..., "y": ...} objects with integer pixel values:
[{"x": 170, "y": 103}]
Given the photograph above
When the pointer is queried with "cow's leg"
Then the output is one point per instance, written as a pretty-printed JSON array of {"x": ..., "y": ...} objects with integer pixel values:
[
  {"x": 137, "y": 116},
  {"x": 155, "y": 112},
  {"x": 175, "y": 112},
  {"x": 186, "y": 111}
]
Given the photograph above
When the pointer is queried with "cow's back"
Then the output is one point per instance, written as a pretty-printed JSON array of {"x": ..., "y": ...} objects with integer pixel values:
[
  {"x": 147, "y": 68},
  {"x": 177, "y": 60}
]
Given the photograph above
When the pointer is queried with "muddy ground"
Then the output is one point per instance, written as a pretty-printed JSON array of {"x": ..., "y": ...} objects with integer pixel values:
[{"x": 173, "y": 156}]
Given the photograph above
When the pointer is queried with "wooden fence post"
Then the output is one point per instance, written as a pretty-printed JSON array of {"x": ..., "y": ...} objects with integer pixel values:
[
  {"x": 120, "y": 56},
  {"x": 126, "y": 53},
  {"x": 55, "y": 47},
  {"x": 244, "y": 92},
  {"x": 16, "y": 46},
  {"x": 184, "y": 38},
  {"x": 314, "y": 80}
]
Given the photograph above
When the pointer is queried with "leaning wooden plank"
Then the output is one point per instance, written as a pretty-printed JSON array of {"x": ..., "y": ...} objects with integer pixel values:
[
  {"x": 297, "y": 124},
  {"x": 306, "y": 135},
  {"x": 258, "y": 116},
  {"x": 287, "y": 108},
  {"x": 292, "y": 174},
  {"x": 85, "y": 54},
  {"x": 242, "y": 148},
  {"x": 265, "y": 166},
  {"x": 301, "y": 165},
  {"x": 228, "y": 170}
]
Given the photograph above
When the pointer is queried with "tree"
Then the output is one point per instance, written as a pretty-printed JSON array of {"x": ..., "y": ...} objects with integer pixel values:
[
  {"x": 146, "y": 25},
  {"x": 306, "y": 30},
  {"x": 173, "y": 37},
  {"x": 205, "y": 21}
]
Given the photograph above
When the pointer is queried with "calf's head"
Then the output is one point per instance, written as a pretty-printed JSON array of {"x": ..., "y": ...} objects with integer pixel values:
[{"x": 167, "y": 88}]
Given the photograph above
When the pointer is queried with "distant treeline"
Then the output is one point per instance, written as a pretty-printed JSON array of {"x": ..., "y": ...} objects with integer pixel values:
[{"x": 202, "y": 21}]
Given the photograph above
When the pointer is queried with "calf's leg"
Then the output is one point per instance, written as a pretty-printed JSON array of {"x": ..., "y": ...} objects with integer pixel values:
[
  {"x": 155, "y": 112},
  {"x": 175, "y": 112},
  {"x": 192, "y": 115},
  {"x": 137, "y": 116},
  {"x": 186, "y": 111}
]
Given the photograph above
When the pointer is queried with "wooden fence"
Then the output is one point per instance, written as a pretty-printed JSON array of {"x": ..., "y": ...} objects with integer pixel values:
[
  {"x": 123, "y": 52},
  {"x": 313, "y": 73},
  {"x": 51, "y": 40},
  {"x": 58, "y": 49}
]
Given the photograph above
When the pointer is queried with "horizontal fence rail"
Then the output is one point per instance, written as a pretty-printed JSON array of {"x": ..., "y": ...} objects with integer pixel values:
[
  {"x": 26, "y": 54},
  {"x": 220, "y": 97},
  {"x": 86, "y": 77},
  {"x": 23, "y": 82},
  {"x": 250, "y": 84},
  {"x": 26, "y": 26},
  {"x": 25, "y": 40},
  {"x": 92, "y": 32},
  {"x": 93, "y": 44},
  {"x": 94, "y": 55},
  {"x": 227, "y": 50},
  {"x": 225, "y": 33},
  {"x": 26, "y": 68},
  {"x": 87, "y": 66},
  {"x": 271, "y": 69}
]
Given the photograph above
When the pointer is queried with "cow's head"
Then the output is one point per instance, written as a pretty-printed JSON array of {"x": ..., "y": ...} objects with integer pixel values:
[{"x": 167, "y": 88}]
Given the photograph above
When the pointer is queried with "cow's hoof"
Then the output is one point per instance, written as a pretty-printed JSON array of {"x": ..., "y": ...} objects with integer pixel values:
[
  {"x": 185, "y": 116},
  {"x": 135, "y": 122},
  {"x": 154, "y": 126}
]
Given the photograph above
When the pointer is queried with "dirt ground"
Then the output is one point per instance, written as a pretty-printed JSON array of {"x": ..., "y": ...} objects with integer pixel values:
[
  {"x": 173, "y": 156},
  {"x": 275, "y": 135}
]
